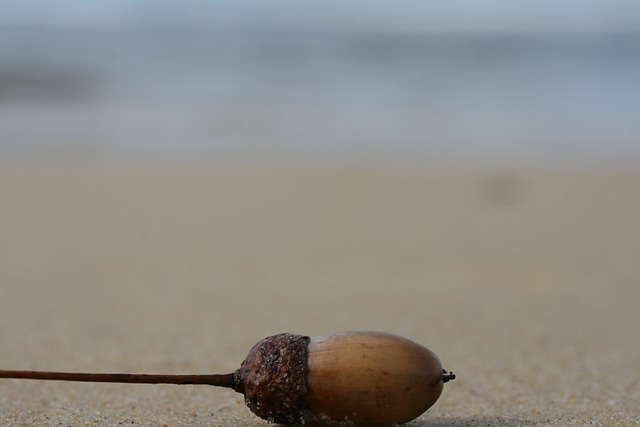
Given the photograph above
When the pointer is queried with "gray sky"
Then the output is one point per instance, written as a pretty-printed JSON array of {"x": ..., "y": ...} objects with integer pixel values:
[{"x": 411, "y": 15}]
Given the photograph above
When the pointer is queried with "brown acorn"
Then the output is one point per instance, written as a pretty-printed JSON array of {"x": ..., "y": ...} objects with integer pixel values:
[
  {"x": 372, "y": 378},
  {"x": 364, "y": 378}
]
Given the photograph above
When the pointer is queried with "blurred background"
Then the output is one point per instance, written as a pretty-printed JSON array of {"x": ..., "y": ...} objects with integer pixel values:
[
  {"x": 179, "y": 179},
  {"x": 492, "y": 82}
]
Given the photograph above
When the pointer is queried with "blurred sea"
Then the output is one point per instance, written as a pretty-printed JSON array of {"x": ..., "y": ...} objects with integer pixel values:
[{"x": 326, "y": 96}]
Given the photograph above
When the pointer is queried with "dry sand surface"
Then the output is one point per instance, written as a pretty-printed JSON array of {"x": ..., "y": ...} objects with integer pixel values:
[{"x": 526, "y": 284}]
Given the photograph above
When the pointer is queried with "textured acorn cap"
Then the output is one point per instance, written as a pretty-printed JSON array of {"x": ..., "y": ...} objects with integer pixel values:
[{"x": 273, "y": 378}]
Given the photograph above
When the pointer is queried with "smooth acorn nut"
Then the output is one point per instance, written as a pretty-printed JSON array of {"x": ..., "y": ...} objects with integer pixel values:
[
  {"x": 358, "y": 378},
  {"x": 364, "y": 378},
  {"x": 371, "y": 378}
]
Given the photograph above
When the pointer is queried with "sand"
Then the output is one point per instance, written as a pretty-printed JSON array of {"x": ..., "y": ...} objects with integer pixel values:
[{"x": 525, "y": 283}]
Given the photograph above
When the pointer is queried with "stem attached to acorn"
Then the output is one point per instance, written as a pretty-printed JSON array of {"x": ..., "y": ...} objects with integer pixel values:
[{"x": 218, "y": 380}]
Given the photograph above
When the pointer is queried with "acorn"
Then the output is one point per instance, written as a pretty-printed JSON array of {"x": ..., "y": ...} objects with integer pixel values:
[{"x": 359, "y": 378}]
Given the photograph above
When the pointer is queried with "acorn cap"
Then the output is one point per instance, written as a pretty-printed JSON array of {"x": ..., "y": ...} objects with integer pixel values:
[{"x": 273, "y": 378}]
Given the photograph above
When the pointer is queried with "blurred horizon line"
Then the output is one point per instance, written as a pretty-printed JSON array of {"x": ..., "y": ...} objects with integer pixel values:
[
  {"x": 495, "y": 16},
  {"x": 391, "y": 31}
]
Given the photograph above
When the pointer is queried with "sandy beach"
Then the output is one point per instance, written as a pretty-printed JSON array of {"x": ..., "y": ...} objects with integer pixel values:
[{"x": 525, "y": 283}]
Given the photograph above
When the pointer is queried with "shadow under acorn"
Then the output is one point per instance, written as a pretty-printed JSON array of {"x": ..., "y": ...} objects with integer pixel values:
[{"x": 478, "y": 421}]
